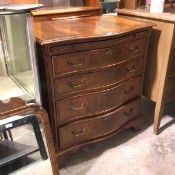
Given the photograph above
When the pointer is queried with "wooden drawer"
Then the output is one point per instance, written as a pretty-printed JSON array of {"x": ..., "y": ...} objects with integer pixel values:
[
  {"x": 95, "y": 103},
  {"x": 88, "y": 60},
  {"x": 84, "y": 130},
  {"x": 56, "y": 49},
  {"x": 64, "y": 87}
]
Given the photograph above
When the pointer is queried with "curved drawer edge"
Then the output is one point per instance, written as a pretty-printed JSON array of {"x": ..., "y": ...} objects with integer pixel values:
[{"x": 134, "y": 124}]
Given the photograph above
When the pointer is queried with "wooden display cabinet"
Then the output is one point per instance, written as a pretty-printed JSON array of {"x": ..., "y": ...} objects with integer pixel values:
[
  {"x": 49, "y": 12},
  {"x": 90, "y": 8}
]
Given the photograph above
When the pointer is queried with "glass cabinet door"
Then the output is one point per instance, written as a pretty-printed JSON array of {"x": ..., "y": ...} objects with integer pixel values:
[
  {"x": 2, "y": 55},
  {"x": 20, "y": 58}
]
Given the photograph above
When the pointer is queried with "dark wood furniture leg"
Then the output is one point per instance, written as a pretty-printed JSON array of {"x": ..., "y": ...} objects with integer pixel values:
[
  {"x": 39, "y": 139},
  {"x": 10, "y": 135},
  {"x": 5, "y": 135}
]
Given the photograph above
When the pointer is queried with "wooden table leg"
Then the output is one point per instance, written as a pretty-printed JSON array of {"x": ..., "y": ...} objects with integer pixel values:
[{"x": 157, "y": 116}]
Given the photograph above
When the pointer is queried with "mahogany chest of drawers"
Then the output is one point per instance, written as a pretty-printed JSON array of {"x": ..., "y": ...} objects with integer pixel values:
[{"x": 91, "y": 72}]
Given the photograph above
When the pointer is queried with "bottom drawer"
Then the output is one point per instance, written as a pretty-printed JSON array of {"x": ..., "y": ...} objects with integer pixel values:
[{"x": 84, "y": 130}]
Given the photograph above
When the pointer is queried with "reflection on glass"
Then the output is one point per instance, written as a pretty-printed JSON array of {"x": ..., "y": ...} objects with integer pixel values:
[
  {"x": 19, "y": 58},
  {"x": 67, "y": 3},
  {"x": 2, "y": 63}
]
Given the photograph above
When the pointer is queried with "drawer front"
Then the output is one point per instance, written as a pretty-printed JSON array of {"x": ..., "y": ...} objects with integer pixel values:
[
  {"x": 93, "y": 45},
  {"x": 88, "y": 60},
  {"x": 64, "y": 87},
  {"x": 78, "y": 132},
  {"x": 95, "y": 103}
]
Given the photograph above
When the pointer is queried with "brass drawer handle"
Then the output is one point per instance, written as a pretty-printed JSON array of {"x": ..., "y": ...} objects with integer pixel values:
[
  {"x": 108, "y": 117},
  {"x": 131, "y": 69},
  {"x": 133, "y": 49},
  {"x": 77, "y": 108},
  {"x": 129, "y": 90},
  {"x": 128, "y": 113},
  {"x": 107, "y": 92},
  {"x": 79, "y": 133},
  {"x": 82, "y": 83},
  {"x": 109, "y": 52},
  {"x": 74, "y": 64}
]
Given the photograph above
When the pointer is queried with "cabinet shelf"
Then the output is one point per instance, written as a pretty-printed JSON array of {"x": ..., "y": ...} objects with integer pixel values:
[{"x": 11, "y": 151}]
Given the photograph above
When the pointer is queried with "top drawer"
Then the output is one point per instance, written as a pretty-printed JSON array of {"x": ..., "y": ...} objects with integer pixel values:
[
  {"x": 88, "y": 60},
  {"x": 77, "y": 46}
]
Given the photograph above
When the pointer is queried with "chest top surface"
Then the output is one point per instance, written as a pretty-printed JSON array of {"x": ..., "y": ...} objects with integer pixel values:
[{"x": 47, "y": 32}]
